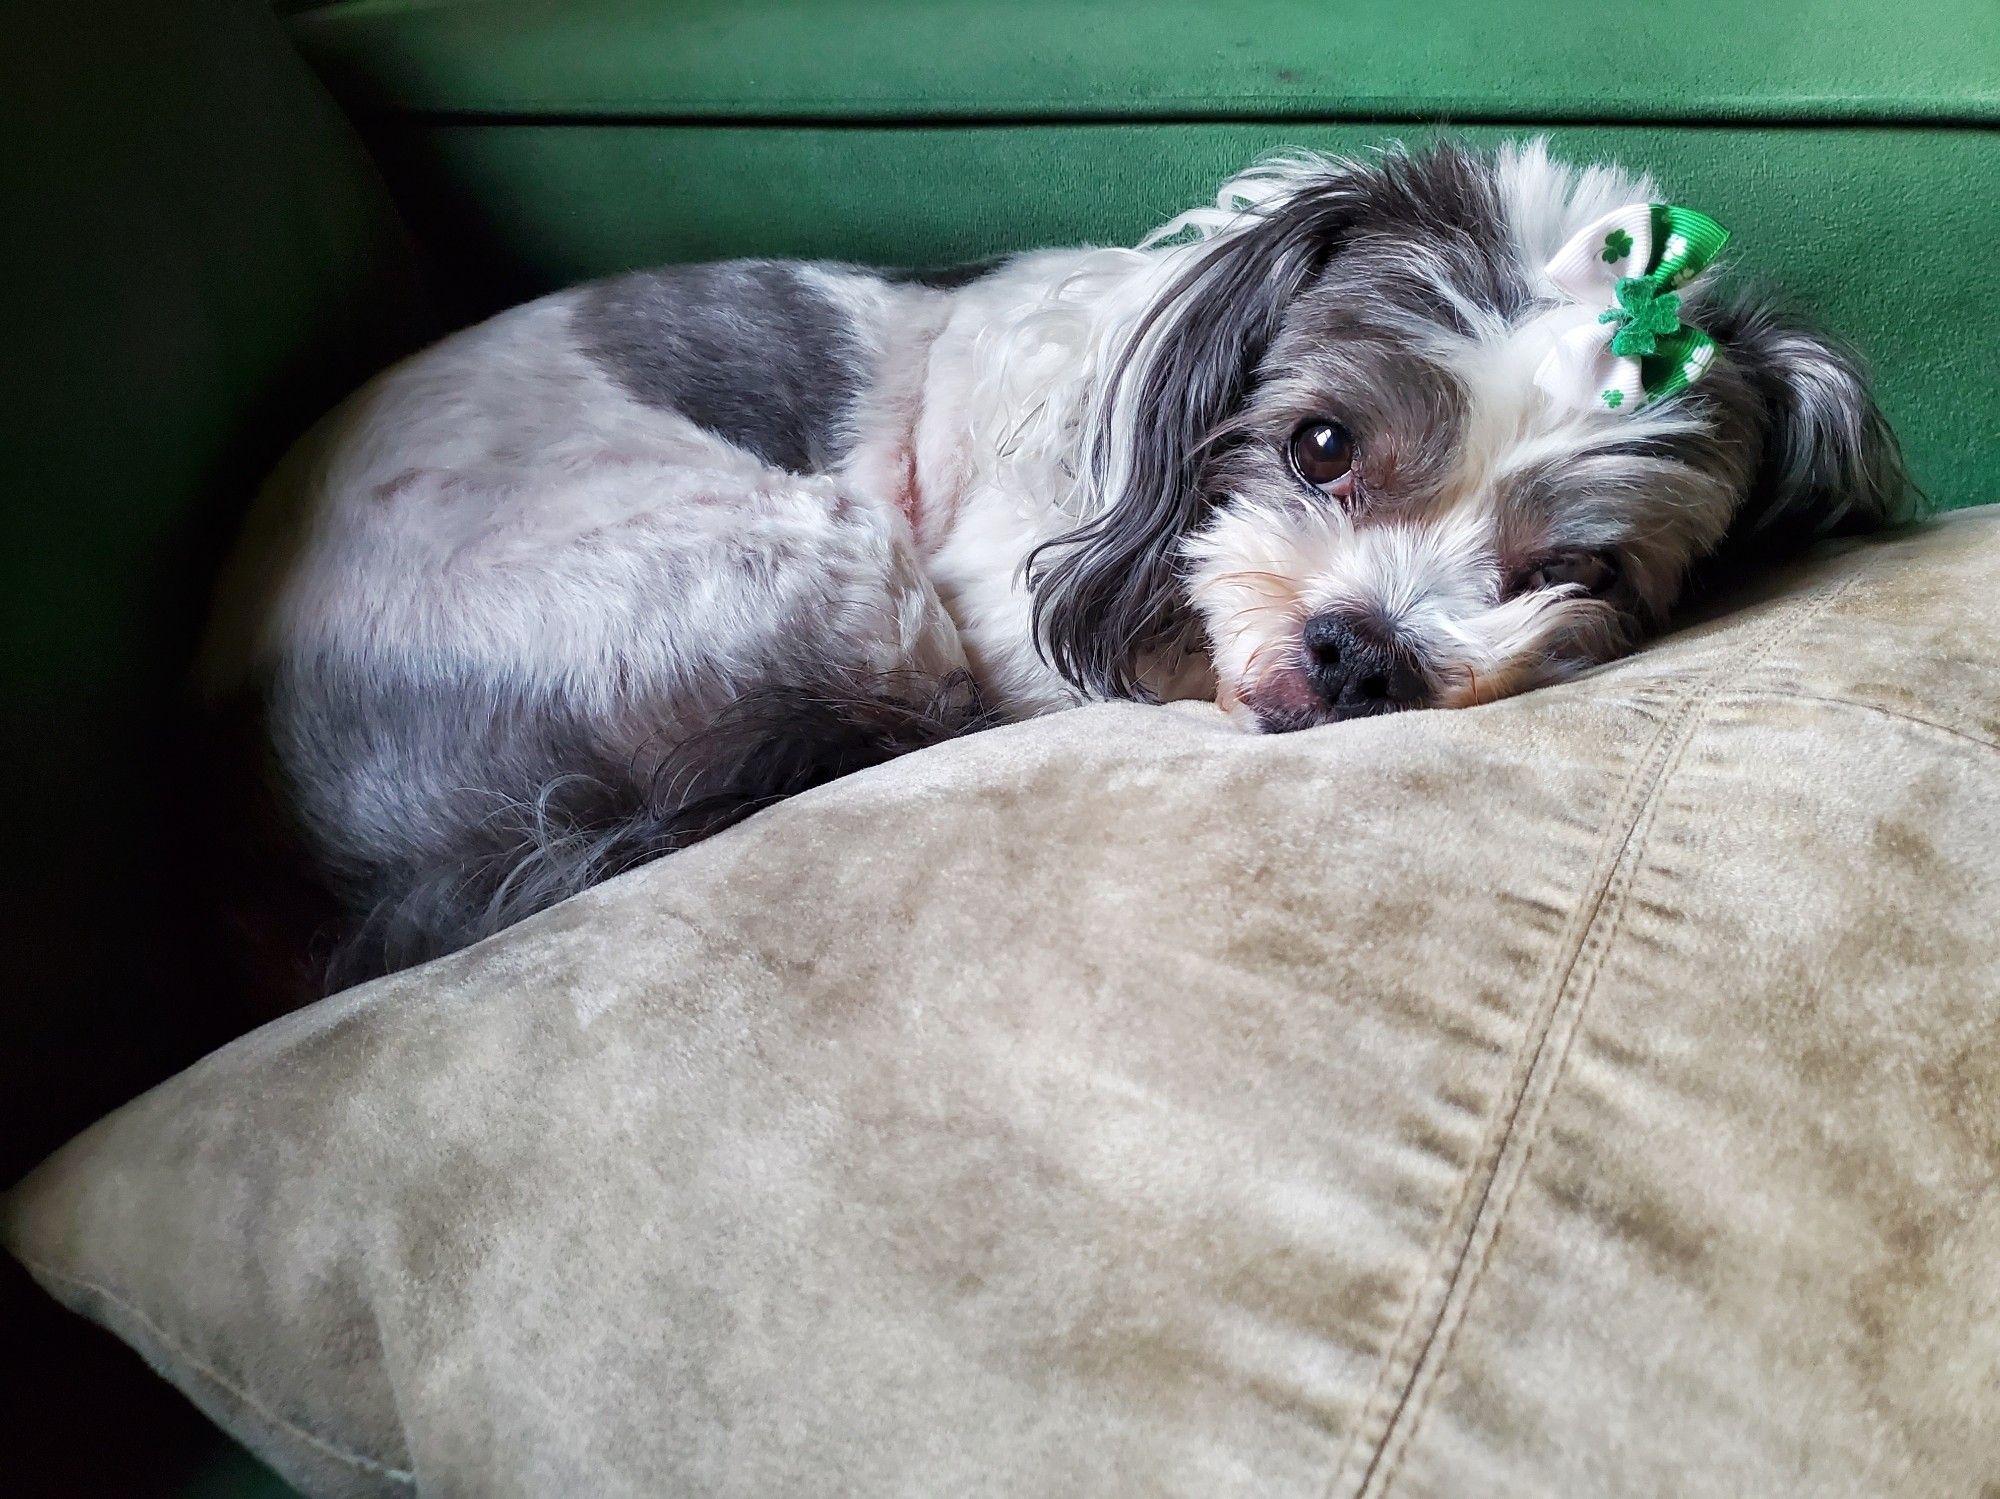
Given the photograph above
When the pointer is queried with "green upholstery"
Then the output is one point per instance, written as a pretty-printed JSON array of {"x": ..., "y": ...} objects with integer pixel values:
[
  {"x": 1526, "y": 60},
  {"x": 200, "y": 257},
  {"x": 535, "y": 143},
  {"x": 1882, "y": 262}
]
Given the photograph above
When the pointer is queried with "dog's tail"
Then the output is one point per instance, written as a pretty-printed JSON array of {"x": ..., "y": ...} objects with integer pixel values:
[{"x": 769, "y": 744}]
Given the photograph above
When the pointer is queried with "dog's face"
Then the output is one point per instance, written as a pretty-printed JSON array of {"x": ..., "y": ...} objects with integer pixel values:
[{"x": 1324, "y": 450}]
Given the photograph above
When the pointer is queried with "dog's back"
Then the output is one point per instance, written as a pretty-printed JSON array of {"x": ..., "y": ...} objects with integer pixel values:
[{"x": 576, "y": 587}]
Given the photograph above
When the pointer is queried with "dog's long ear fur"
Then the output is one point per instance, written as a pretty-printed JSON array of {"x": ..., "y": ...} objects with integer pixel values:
[
  {"x": 1107, "y": 592},
  {"x": 1830, "y": 464}
]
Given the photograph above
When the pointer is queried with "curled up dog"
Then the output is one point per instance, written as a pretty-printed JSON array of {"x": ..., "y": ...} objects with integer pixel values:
[{"x": 608, "y": 572}]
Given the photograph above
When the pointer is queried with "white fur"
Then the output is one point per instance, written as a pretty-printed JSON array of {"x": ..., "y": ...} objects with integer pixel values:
[{"x": 496, "y": 505}]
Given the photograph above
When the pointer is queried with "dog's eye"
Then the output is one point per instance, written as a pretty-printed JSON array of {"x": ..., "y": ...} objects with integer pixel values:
[
  {"x": 1323, "y": 456},
  {"x": 1593, "y": 572}
]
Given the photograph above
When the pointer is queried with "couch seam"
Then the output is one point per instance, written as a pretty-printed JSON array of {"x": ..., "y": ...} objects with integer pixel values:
[
  {"x": 354, "y": 1460},
  {"x": 636, "y": 113},
  {"x": 1557, "y": 1020},
  {"x": 1522, "y": 1116}
]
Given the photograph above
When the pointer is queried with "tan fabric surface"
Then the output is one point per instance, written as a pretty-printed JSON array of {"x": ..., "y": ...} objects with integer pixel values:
[{"x": 1594, "y": 1094}]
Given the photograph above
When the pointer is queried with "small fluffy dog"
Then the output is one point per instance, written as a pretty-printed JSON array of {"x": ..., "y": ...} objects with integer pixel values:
[{"x": 609, "y": 571}]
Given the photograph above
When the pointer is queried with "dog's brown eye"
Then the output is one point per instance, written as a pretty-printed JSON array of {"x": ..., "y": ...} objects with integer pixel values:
[
  {"x": 1592, "y": 572},
  {"x": 1323, "y": 455}
]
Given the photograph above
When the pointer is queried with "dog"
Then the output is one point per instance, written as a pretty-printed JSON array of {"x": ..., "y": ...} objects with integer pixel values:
[{"x": 612, "y": 570}]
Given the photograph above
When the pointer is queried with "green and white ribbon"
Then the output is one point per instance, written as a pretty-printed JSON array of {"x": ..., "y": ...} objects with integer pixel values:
[{"x": 1630, "y": 265}]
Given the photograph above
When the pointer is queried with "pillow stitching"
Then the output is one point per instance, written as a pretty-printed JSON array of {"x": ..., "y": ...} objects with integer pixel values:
[
  {"x": 1627, "y": 807},
  {"x": 1452, "y": 1317},
  {"x": 1405, "y": 1364},
  {"x": 1793, "y": 695},
  {"x": 355, "y": 1460}
]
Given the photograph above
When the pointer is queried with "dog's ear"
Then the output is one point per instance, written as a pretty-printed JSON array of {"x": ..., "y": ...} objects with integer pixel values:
[
  {"x": 1830, "y": 464},
  {"x": 1107, "y": 592}
]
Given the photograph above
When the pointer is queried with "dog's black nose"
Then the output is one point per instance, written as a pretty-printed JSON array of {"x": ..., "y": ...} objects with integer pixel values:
[{"x": 1357, "y": 672}]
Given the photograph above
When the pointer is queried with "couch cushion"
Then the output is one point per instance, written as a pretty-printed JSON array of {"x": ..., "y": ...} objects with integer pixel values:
[{"x": 1597, "y": 1092}]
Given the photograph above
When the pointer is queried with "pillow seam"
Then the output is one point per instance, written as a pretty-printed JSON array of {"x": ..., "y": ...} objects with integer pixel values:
[
  {"x": 355, "y": 1460},
  {"x": 1795, "y": 695},
  {"x": 1402, "y": 1434},
  {"x": 1609, "y": 880},
  {"x": 1626, "y": 808}
]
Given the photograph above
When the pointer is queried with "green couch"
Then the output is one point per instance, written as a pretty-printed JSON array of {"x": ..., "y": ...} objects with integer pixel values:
[{"x": 211, "y": 250}]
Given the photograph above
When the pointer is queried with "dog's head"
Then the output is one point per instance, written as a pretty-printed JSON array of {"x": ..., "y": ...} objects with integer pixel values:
[{"x": 1323, "y": 446}]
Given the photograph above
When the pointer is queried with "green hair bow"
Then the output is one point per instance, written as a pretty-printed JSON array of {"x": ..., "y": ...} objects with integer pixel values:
[{"x": 1631, "y": 264}]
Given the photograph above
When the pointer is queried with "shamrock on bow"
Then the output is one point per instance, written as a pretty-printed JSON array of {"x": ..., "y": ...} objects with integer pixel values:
[
  {"x": 1644, "y": 314},
  {"x": 1626, "y": 346}
]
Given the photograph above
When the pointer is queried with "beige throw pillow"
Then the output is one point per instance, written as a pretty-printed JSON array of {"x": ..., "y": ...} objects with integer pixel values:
[{"x": 1593, "y": 1094}]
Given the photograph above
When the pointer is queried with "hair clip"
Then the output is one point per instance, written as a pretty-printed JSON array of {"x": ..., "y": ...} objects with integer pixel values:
[{"x": 1631, "y": 263}]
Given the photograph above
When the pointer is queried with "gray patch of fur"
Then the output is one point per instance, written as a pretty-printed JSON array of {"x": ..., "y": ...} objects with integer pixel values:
[
  {"x": 749, "y": 349},
  {"x": 446, "y": 811},
  {"x": 1829, "y": 463}
]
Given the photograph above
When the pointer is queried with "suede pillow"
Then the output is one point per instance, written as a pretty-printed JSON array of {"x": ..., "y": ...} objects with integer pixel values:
[{"x": 1597, "y": 1093}]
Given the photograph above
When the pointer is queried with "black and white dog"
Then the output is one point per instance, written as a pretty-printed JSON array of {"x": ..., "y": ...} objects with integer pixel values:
[{"x": 605, "y": 573}]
